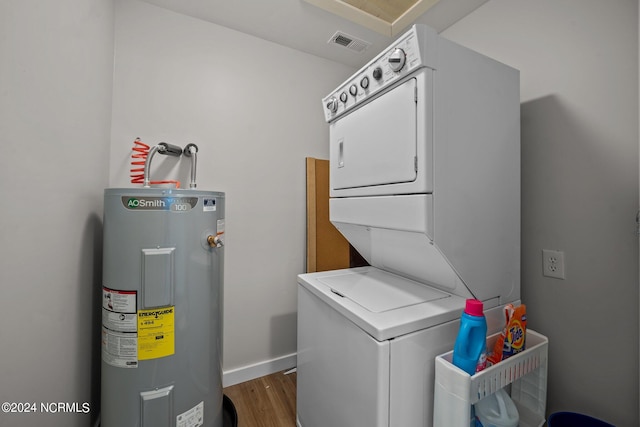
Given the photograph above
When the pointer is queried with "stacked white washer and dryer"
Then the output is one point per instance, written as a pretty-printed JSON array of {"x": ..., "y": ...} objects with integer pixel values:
[{"x": 425, "y": 184}]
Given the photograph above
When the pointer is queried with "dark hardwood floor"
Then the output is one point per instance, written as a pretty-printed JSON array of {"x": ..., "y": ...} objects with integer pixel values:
[{"x": 265, "y": 402}]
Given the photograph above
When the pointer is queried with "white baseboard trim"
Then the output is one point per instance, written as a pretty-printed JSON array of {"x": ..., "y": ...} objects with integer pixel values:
[{"x": 257, "y": 370}]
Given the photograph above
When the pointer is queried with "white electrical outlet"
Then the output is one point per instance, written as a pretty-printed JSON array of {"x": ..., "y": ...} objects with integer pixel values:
[{"x": 553, "y": 263}]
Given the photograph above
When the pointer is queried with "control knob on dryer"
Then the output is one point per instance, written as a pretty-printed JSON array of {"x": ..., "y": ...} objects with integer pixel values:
[
  {"x": 397, "y": 59},
  {"x": 332, "y": 104},
  {"x": 377, "y": 73}
]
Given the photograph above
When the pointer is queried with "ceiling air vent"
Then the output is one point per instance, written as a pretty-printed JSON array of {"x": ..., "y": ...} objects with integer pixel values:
[{"x": 350, "y": 42}]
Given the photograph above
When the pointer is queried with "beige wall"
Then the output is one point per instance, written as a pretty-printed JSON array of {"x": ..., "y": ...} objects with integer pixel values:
[
  {"x": 56, "y": 64},
  {"x": 579, "y": 88},
  {"x": 253, "y": 108}
]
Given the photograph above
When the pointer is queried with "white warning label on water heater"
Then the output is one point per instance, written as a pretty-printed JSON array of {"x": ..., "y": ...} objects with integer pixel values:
[
  {"x": 119, "y": 301},
  {"x": 123, "y": 322},
  {"x": 119, "y": 328},
  {"x": 194, "y": 417},
  {"x": 120, "y": 349}
]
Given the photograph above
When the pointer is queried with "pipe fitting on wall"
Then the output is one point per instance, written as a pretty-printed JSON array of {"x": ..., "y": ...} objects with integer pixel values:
[
  {"x": 162, "y": 148},
  {"x": 191, "y": 150}
]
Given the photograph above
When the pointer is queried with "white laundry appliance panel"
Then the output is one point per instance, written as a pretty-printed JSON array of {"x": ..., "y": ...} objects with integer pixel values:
[
  {"x": 382, "y": 304},
  {"x": 436, "y": 229},
  {"x": 348, "y": 377},
  {"x": 335, "y": 390},
  {"x": 384, "y": 146},
  {"x": 395, "y": 233},
  {"x": 459, "y": 217},
  {"x": 367, "y": 151}
]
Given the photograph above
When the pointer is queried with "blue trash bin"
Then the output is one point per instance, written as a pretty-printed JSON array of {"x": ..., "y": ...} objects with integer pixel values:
[{"x": 572, "y": 419}]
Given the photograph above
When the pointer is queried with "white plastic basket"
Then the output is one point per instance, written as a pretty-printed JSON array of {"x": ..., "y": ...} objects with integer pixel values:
[{"x": 455, "y": 391}]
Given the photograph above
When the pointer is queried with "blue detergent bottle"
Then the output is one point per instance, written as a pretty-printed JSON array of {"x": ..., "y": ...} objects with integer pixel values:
[{"x": 471, "y": 340}]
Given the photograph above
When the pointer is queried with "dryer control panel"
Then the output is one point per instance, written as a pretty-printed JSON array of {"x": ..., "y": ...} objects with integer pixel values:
[{"x": 407, "y": 54}]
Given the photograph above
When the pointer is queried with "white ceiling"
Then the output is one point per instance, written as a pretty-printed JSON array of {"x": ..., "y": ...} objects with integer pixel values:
[{"x": 302, "y": 26}]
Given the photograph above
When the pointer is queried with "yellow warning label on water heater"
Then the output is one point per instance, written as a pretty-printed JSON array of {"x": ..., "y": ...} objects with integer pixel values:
[{"x": 156, "y": 333}]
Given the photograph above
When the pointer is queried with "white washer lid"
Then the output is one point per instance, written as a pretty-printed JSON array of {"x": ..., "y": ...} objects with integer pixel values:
[
  {"x": 378, "y": 291},
  {"x": 381, "y": 303}
]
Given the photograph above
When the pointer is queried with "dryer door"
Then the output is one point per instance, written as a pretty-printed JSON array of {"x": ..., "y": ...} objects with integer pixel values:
[{"x": 376, "y": 144}]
